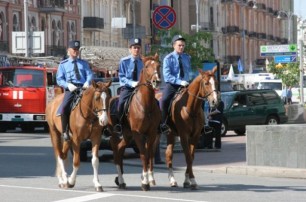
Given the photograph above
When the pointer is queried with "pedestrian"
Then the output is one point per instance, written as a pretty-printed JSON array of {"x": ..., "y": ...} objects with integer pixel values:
[
  {"x": 289, "y": 95},
  {"x": 215, "y": 121},
  {"x": 72, "y": 73},
  {"x": 129, "y": 71},
  {"x": 176, "y": 69}
]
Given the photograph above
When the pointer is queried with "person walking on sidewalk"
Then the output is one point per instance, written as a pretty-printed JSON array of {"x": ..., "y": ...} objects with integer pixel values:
[{"x": 72, "y": 73}]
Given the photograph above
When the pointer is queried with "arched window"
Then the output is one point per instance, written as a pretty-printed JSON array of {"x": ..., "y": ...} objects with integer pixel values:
[
  {"x": 53, "y": 33},
  {"x": 43, "y": 24},
  {"x": 59, "y": 34},
  {"x": 15, "y": 23},
  {"x": 33, "y": 24},
  {"x": 2, "y": 22}
]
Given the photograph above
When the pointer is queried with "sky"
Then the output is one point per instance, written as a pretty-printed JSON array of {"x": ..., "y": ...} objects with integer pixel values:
[{"x": 300, "y": 8}]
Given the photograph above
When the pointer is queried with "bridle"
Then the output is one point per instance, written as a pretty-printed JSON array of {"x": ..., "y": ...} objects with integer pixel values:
[
  {"x": 206, "y": 95},
  {"x": 149, "y": 83}
]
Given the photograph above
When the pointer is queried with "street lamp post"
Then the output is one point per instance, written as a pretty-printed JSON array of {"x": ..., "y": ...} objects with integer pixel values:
[
  {"x": 289, "y": 16},
  {"x": 197, "y": 13}
]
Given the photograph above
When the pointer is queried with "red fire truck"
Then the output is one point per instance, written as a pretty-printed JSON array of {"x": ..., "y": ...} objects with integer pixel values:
[{"x": 24, "y": 94}]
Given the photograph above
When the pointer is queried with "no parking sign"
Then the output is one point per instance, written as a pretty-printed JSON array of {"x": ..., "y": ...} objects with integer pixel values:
[{"x": 164, "y": 17}]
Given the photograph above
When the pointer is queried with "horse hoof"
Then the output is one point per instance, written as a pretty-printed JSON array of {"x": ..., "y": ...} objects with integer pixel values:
[
  {"x": 152, "y": 183},
  {"x": 117, "y": 181},
  {"x": 99, "y": 189},
  {"x": 194, "y": 187},
  {"x": 70, "y": 185},
  {"x": 173, "y": 184},
  {"x": 186, "y": 185},
  {"x": 122, "y": 186},
  {"x": 145, "y": 187}
]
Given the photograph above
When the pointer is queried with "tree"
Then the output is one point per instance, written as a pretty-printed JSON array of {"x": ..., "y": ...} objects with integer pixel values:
[
  {"x": 197, "y": 46},
  {"x": 289, "y": 73}
]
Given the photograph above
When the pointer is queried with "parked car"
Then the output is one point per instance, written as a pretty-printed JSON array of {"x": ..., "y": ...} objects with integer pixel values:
[{"x": 251, "y": 107}]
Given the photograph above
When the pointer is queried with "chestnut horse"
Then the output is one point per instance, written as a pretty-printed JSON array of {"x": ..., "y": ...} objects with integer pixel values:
[
  {"x": 140, "y": 124},
  {"x": 86, "y": 122},
  {"x": 186, "y": 120}
]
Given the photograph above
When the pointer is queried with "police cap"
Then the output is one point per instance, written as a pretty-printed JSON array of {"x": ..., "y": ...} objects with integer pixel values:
[
  {"x": 135, "y": 42},
  {"x": 177, "y": 37},
  {"x": 74, "y": 44}
]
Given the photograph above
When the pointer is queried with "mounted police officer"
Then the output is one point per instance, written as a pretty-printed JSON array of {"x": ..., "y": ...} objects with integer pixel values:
[
  {"x": 129, "y": 71},
  {"x": 176, "y": 68},
  {"x": 72, "y": 73}
]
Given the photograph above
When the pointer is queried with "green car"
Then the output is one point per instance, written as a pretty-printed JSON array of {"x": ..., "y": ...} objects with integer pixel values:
[{"x": 251, "y": 107}]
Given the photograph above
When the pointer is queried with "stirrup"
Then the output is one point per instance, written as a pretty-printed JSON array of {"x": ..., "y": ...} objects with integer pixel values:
[
  {"x": 66, "y": 136},
  {"x": 164, "y": 128},
  {"x": 118, "y": 128}
]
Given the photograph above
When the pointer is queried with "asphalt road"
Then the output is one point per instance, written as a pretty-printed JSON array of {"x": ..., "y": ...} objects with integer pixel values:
[{"x": 27, "y": 174}]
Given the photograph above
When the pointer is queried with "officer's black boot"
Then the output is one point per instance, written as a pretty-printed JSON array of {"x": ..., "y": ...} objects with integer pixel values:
[
  {"x": 65, "y": 120},
  {"x": 164, "y": 128},
  {"x": 118, "y": 127}
]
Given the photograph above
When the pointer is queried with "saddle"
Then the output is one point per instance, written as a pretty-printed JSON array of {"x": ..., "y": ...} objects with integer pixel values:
[{"x": 76, "y": 99}]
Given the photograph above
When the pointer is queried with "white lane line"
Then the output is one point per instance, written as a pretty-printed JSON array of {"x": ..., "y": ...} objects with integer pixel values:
[
  {"x": 95, "y": 195},
  {"x": 86, "y": 198}
]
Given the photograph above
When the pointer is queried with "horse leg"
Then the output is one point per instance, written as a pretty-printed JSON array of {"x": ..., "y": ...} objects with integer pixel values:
[
  {"x": 138, "y": 138},
  {"x": 188, "y": 149},
  {"x": 76, "y": 163},
  {"x": 60, "y": 165},
  {"x": 169, "y": 157},
  {"x": 153, "y": 140},
  {"x": 95, "y": 162},
  {"x": 118, "y": 151}
]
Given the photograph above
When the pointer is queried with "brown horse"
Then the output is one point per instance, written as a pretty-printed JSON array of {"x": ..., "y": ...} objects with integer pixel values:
[
  {"x": 186, "y": 120},
  {"x": 86, "y": 122},
  {"x": 140, "y": 124}
]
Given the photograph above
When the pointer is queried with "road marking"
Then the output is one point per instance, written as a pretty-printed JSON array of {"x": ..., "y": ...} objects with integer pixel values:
[
  {"x": 87, "y": 198},
  {"x": 94, "y": 195}
]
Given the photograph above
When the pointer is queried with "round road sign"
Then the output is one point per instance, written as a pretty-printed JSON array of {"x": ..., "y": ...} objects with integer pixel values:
[{"x": 164, "y": 17}]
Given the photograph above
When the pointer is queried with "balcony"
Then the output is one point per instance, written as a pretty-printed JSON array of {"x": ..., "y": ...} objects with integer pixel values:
[
  {"x": 93, "y": 23},
  {"x": 277, "y": 39},
  {"x": 270, "y": 10},
  {"x": 230, "y": 30},
  {"x": 51, "y": 6},
  {"x": 261, "y": 6},
  {"x": 262, "y": 35},
  {"x": 270, "y": 37},
  {"x": 232, "y": 58},
  {"x": 260, "y": 62},
  {"x": 226, "y": 1},
  {"x": 207, "y": 26},
  {"x": 253, "y": 34},
  {"x": 284, "y": 41}
]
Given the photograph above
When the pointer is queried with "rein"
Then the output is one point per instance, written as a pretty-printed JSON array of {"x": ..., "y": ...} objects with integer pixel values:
[{"x": 199, "y": 97}]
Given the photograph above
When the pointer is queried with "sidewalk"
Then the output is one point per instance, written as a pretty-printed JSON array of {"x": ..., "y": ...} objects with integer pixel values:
[{"x": 231, "y": 159}]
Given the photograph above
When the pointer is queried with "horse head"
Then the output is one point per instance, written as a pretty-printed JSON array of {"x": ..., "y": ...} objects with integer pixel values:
[
  {"x": 151, "y": 70},
  {"x": 208, "y": 86},
  {"x": 100, "y": 100}
]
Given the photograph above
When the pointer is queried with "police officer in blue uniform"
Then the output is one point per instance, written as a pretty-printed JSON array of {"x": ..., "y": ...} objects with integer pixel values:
[
  {"x": 72, "y": 73},
  {"x": 176, "y": 68},
  {"x": 129, "y": 71}
]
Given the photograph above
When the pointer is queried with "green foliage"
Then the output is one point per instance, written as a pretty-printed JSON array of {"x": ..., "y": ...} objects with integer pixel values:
[
  {"x": 289, "y": 73},
  {"x": 194, "y": 46}
]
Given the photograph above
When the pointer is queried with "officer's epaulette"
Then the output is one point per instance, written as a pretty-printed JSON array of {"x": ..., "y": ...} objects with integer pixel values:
[
  {"x": 64, "y": 61},
  {"x": 126, "y": 58},
  {"x": 81, "y": 60}
]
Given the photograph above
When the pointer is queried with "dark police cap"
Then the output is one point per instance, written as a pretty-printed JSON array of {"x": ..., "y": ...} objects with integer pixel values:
[
  {"x": 135, "y": 42},
  {"x": 74, "y": 44},
  {"x": 177, "y": 37}
]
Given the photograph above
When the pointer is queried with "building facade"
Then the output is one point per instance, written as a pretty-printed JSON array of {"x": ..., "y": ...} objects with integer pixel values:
[{"x": 238, "y": 27}]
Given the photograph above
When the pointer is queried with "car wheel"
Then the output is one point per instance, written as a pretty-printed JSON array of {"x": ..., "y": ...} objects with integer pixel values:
[
  {"x": 240, "y": 131},
  {"x": 224, "y": 128},
  {"x": 272, "y": 120},
  {"x": 3, "y": 128}
]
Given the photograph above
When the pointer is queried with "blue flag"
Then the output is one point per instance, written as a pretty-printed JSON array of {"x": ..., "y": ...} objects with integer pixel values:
[{"x": 240, "y": 66}]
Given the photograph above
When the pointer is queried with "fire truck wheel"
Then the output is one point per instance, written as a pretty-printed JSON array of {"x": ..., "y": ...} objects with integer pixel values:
[{"x": 2, "y": 128}]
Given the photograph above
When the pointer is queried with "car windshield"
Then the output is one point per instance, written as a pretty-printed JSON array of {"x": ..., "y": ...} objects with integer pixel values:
[
  {"x": 21, "y": 77},
  {"x": 268, "y": 85}
]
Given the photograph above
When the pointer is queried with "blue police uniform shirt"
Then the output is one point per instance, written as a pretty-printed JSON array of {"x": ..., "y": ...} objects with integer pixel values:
[
  {"x": 126, "y": 67},
  {"x": 171, "y": 68},
  {"x": 65, "y": 73}
]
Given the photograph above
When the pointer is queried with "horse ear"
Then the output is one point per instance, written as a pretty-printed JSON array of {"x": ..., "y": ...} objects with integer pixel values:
[
  {"x": 200, "y": 70},
  {"x": 144, "y": 59},
  {"x": 93, "y": 83},
  {"x": 108, "y": 84},
  {"x": 214, "y": 69},
  {"x": 156, "y": 56}
]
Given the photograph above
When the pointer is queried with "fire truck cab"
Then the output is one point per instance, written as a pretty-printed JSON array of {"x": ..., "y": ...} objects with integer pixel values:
[{"x": 24, "y": 94}]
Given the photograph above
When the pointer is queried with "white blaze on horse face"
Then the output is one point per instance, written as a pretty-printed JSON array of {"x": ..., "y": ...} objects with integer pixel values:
[
  {"x": 214, "y": 90},
  {"x": 103, "y": 119}
]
